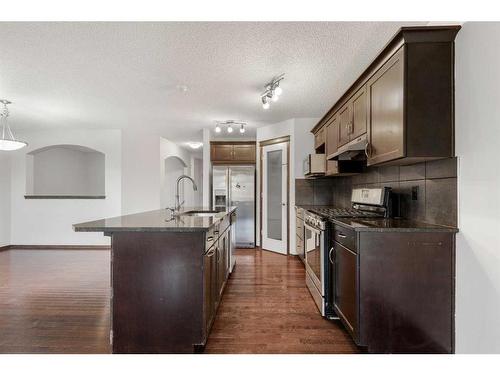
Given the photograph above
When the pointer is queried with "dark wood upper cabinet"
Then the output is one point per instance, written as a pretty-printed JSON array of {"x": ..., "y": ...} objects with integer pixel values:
[
  {"x": 359, "y": 114},
  {"x": 244, "y": 153},
  {"x": 332, "y": 136},
  {"x": 233, "y": 152},
  {"x": 386, "y": 117},
  {"x": 319, "y": 138},
  {"x": 222, "y": 152},
  {"x": 402, "y": 105},
  {"x": 345, "y": 123}
]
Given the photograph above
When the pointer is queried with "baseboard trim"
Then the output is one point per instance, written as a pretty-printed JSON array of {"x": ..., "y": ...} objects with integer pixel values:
[
  {"x": 4, "y": 248},
  {"x": 56, "y": 247}
]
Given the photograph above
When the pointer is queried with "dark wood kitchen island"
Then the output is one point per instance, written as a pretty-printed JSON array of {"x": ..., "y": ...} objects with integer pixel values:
[{"x": 167, "y": 276}]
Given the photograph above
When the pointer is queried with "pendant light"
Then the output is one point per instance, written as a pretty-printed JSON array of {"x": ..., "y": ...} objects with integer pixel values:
[{"x": 7, "y": 140}]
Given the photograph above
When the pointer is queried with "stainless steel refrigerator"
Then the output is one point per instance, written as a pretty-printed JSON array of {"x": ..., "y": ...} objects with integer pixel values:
[{"x": 235, "y": 186}]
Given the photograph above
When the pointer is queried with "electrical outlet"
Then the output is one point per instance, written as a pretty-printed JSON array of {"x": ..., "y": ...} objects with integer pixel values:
[{"x": 414, "y": 193}]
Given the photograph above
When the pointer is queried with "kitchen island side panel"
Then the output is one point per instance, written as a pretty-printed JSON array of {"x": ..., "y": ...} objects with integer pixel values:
[{"x": 157, "y": 292}]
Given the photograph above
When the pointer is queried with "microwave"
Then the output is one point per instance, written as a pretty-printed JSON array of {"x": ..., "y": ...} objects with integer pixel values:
[{"x": 314, "y": 165}]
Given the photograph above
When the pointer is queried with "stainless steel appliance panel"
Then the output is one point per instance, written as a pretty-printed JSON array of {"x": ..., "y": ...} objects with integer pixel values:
[
  {"x": 314, "y": 251},
  {"x": 242, "y": 195},
  {"x": 235, "y": 186},
  {"x": 299, "y": 233}
]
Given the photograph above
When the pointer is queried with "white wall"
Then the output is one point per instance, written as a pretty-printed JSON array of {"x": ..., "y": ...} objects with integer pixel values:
[
  {"x": 207, "y": 168},
  {"x": 134, "y": 169},
  {"x": 140, "y": 178},
  {"x": 4, "y": 199},
  {"x": 65, "y": 170},
  {"x": 301, "y": 144},
  {"x": 197, "y": 174},
  {"x": 477, "y": 117},
  {"x": 49, "y": 222}
]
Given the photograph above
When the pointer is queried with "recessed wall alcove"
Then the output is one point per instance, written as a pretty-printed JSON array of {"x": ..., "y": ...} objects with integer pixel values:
[{"x": 65, "y": 172}]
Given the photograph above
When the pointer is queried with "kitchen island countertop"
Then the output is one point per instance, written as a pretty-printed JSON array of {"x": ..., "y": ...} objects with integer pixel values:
[{"x": 155, "y": 221}]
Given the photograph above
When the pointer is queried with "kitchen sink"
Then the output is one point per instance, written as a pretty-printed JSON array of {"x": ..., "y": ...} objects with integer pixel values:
[{"x": 199, "y": 213}]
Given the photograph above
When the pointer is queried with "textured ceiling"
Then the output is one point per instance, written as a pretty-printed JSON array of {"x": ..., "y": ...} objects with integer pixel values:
[{"x": 125, "y": 75}]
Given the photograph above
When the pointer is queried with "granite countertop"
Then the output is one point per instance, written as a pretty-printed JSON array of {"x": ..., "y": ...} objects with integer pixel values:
[
  {"x": 385, "y": 225},
  {"x": 155, "y": 221}
]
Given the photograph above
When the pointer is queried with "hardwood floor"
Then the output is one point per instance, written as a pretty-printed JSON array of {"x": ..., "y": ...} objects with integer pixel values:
[
  {"x": 54, "y": 301},
  {"x": 267, "y": 308},
  {"x": 57, "y": 301}
]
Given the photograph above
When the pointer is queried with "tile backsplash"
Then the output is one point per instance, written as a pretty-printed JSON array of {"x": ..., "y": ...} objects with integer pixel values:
[{"x": 427, "y": 191}]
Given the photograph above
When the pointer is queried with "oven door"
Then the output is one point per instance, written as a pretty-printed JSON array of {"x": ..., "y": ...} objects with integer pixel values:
[{"x": 314, "y": 250}]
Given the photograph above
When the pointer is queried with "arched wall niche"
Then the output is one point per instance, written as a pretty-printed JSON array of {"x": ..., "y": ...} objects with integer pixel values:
[{"x": 65, "y": 170}]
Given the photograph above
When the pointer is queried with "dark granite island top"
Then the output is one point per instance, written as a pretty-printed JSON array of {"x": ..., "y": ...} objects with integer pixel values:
[
  {"x": 155, "y": 221},
  {"x": 168, "y": 275}
]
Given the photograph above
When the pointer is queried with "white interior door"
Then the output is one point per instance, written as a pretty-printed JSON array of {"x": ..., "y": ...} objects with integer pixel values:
[{"x": 275, "y": 197}]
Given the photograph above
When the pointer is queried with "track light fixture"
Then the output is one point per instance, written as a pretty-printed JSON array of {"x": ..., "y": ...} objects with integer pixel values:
[
  {"x": 230, "y": 125},
  {"x": 272, "y": 92}
]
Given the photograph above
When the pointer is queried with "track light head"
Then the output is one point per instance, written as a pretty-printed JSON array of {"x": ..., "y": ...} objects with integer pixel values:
[{"x": 272, "y": 91}]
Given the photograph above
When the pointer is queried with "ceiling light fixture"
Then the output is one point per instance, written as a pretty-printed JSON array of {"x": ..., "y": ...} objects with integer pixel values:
[
  {"x": 265, "y": 102},
  {"x": 230, "y": 126},
  {"x": 272, "y": 91},
  {"x": 7, "y": 141},
  {"x": 195, "y": 145}
]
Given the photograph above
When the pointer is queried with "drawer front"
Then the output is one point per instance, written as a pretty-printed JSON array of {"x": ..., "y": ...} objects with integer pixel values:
[{"x": 345, "y": 237}]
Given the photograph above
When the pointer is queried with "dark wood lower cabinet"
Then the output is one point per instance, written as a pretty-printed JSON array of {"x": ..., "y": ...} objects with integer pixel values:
[
  {"x": 394, "y": 291},
  {"x": 345, "y": 288},
  {"x": 166, "y": 288},
  {"x": 209, "y": 288}
]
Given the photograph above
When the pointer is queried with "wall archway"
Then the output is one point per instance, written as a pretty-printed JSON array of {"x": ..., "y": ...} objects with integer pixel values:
[{"x": 174, "y": 167}]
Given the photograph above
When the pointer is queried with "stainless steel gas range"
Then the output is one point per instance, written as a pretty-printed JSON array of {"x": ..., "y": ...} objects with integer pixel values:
[{"x": 365, "y": 203}]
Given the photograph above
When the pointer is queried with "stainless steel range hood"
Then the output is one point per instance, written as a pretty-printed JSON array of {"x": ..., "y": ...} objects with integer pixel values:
[{"x": 352, "y": 149}]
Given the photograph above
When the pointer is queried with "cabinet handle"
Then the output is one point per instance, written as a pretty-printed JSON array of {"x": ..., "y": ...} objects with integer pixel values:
[
  {"x": 368, "y": 150},
  {"x": 216, "y": 232},
  {"x": 210, "y": 239},
  {"x": 330, "y": 255},
  {"x": 210, "y": 253},
  {"x": 342, "y": 235}
]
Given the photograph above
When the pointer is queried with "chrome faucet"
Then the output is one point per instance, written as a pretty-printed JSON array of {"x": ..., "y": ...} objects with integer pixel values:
[{"x": 177, "y": 198}]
